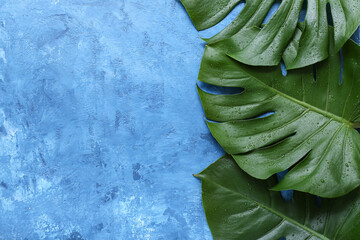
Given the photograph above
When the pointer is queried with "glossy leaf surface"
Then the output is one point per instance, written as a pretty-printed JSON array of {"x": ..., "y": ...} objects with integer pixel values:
[
  {"x": 299, "y": 44},
  {"x": 238, "y": 206},
  {"x": 312, "y": 128}
]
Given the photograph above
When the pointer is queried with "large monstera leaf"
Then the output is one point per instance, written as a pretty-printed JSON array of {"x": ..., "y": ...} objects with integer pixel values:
[
  {"x": 238, "y": 206},
  {"x": 312, "y": 128},
  {"x": 303, "y": 44}
]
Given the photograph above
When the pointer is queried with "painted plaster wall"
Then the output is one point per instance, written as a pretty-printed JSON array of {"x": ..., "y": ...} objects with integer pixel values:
[{"x": 100, "y": 123}]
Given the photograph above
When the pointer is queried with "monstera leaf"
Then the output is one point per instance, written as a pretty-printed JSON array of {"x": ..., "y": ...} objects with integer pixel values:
[
  {"x": 238, "y": 206},
  {"x": 282, "y": 37},
  {"x": 312, "y": 128}
]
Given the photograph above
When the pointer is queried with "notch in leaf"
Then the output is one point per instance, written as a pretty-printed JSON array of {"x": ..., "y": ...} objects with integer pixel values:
[
  {"x": 299, "y": 44},
  {"x": 312, "y": 130},
  {"x": 238, "y": 206}
]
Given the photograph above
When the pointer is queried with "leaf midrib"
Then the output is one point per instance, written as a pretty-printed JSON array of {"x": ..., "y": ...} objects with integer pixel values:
[
  {"x": 309, "y": 230},
  {"x": 304, "y": 104}
]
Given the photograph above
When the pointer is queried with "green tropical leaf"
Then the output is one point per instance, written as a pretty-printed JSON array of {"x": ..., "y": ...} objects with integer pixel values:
[
  {"x": 238, "y": 206},
  {"x": 299, "y": 44},
  {"x": 312, "y": 128}
]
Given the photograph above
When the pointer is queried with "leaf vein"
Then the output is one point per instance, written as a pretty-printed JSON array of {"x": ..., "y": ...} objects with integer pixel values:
[{"x": 273, "y": 211}]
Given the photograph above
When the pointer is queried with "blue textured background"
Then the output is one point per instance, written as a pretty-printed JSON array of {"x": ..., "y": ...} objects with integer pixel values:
[{"x": 100, "y": 123}]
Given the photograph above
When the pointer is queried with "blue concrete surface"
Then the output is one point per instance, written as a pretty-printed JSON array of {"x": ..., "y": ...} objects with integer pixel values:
[
  {"x": 101, "y": 127},
  {"x": 100, "y": 123}
]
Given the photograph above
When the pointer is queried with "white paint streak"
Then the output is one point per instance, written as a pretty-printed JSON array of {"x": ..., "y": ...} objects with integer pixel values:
[
  {"x": 45, "y": 227},
  {"x": 2, "y": 55},
  {"x": 7, "y": 204},
  {"x": 43, "y": 184}
]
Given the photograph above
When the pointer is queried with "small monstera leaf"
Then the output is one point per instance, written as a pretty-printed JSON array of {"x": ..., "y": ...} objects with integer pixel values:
[
  {"x": 238, "y": 206},
  {"x": 312, "y": 128},
  {"x": 282, "y": 37}
]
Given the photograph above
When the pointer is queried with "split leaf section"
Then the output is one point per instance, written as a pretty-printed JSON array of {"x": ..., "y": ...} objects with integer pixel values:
[
  {"x": 312, "y": 128},
  {"x": 238, "y": 206},
  {"x": 299, "y": 44}
]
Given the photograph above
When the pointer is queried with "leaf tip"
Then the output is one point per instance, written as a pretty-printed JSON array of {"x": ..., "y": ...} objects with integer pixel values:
[
  {"x": 204, "y": 39},
  {"x": 198, "y": 175}
]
